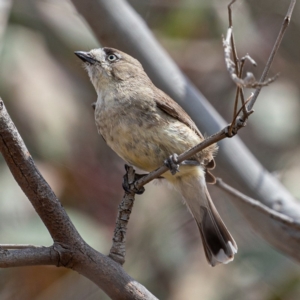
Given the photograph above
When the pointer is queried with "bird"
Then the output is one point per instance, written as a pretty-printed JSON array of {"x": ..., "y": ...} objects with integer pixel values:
[{"x": 145, "y": 127}]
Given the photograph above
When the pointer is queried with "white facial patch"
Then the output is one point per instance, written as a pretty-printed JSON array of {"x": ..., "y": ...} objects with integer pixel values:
[{"x": 99, "y": 54}]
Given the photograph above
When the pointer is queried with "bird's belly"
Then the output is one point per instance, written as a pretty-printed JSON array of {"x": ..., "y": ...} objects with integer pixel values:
[{"x": 145, "y": 143}]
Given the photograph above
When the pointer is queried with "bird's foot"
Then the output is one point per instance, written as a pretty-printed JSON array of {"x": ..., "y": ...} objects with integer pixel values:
[
  {"x": 129, "y": 180},
  {"x": 172, "y": 163}
]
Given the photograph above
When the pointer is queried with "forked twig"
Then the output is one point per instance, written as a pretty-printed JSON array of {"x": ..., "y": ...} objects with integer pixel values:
[
  {"x": 249, "y": 80},
  {"x": 235, "y": 126},
  {"x": 280, "y": 36},
  {"x": 281, "y": 218}
]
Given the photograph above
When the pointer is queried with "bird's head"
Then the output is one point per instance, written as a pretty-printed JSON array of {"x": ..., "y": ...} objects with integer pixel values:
[{"x": 108, "y": 66}]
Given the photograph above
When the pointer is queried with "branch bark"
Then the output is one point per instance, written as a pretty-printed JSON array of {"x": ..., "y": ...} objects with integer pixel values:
[
  {"x": 28, "y": 257},
  {"x": 32, "y": 182}
]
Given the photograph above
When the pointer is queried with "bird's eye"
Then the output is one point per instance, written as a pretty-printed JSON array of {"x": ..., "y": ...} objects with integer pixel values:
[{"x": 112, "y": 57}]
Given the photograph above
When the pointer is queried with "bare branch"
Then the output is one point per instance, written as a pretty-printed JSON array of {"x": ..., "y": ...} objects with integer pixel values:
[
  {"x": 69, "y": 250},
  {"x": 278, "y": 229},
  {"x": 249, "y": 58},
  {"x": 32, "y": 182},
  {"x": 184, "y": 156},
  {"x": 232, "y": 42},
  {"x": 28, "y": 257},
  {"x": 18, "y": 246},
  {"x": 277, "y": 44},
  {"x": 249, "y": 81}
]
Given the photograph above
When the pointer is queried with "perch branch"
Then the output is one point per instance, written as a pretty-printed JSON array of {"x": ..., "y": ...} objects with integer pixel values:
[{"x": 118, "y": 249}]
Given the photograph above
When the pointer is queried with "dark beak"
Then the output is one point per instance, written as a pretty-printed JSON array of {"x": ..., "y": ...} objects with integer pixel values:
[{"x": 85, "y": 57}]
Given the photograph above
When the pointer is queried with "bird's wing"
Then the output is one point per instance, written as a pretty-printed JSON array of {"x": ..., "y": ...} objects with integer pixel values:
[{"x": 172, "y": 108}]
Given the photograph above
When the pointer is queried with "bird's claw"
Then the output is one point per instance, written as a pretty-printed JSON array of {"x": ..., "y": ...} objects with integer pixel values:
[
  {"x": 172, "y": 163},
  {"x": 129, "y": 185},
  {"x": 190, "y": 162}
]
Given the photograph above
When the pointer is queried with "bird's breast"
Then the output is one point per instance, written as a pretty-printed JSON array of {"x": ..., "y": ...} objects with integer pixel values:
[{"x": 142, "y": 136}]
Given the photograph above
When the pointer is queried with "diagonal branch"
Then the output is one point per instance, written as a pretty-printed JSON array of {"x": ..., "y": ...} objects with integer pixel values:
[
  {"x": 69, "y": 249},
  {"x": 277, "y": 229},
  {"x": 281, "y": 33},
  {"x": 222, "y": 134},
  {"x": 32, "y": 182}
]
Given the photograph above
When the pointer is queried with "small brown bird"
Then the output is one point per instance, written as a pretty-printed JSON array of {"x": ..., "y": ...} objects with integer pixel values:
[{"x": 144, "y": 126}]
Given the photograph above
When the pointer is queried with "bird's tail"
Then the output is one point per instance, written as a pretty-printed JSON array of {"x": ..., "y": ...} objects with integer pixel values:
[{"x": 219, "y": 245}]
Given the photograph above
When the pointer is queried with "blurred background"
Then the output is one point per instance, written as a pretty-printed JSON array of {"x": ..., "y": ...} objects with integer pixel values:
[{"x": 49, "y": 97}]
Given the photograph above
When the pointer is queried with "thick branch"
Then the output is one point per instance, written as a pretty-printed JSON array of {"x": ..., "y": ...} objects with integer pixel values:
[
  {"x": 28, "y": 257},
  {"x": 32, "y": 182},
  {"x": 111, "y": 277},
  {"x": 69, "y": 250}
]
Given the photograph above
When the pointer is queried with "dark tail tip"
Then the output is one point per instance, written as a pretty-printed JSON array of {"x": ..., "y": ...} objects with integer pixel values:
[{"x": 219, "y": 245}]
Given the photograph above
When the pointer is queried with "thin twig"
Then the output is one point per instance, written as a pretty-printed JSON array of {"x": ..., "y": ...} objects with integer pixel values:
[
  {"x": 184, "y": 156},
  {"x": 249, "y": 58},
  {"x": 243, "y": 61},
  {"x": 236, "y": 101},
  {"x": 249, "y": 80},
  {"x": 258, "y": 205},
  {"x": 280, "y": 36},
  {"x": 232, "y": 42},
  {"x": 230, "y": 13}
]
